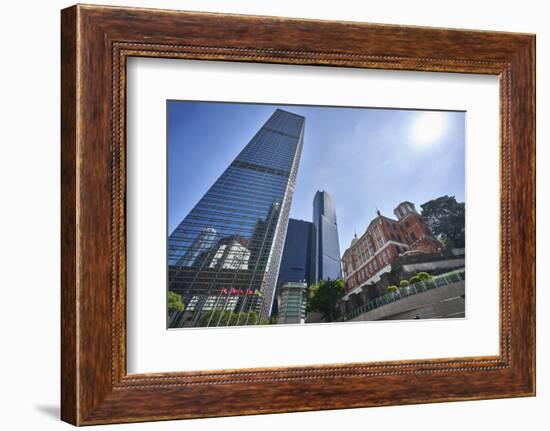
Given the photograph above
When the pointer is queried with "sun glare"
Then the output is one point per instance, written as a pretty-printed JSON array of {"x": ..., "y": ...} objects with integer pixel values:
[{"x": 428, "y": 128}]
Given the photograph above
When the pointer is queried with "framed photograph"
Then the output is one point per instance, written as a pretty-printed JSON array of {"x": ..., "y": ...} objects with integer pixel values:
[
  {"x": 329, "y": 214},
  {"x": 237, "y": 257}
]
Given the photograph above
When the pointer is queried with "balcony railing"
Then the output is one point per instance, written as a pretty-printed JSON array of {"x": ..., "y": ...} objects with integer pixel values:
[{"x": 403, "y": 292}]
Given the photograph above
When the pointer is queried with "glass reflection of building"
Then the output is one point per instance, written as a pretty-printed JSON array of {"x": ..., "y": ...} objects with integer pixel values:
[{"x": 225, "y": 254}]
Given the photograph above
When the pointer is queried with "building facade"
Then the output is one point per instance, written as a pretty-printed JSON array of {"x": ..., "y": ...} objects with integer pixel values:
[
  {"x": 328, "y": 245},
  {"x": 225, "y": 254},
  {"x": 385, "y": 239}
]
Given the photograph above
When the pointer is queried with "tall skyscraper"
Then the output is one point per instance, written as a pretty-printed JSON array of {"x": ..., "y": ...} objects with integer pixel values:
[
  {"x": 225, "y": 254},
  {"x": 298, "y": 263},
  {"x": 328, "y": 245}
]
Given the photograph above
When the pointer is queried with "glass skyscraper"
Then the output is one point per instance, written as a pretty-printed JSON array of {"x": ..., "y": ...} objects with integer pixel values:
[
  {"x": 328, "y": 245},
  {"x": 297, "y": 262},
  {"x": 225, "y": 254}
]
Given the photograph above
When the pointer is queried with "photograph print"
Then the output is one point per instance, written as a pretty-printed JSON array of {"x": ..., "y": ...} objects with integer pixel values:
[{"x": 296, "y": 214}]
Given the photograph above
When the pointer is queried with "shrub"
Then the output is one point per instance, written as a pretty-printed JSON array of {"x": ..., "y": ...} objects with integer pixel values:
[
  {"x": 423, "y": 276},
  {"x": 414, "y": 279},
  {"x": 403, "y": 283},
  {"x": 392, "y": 289}
]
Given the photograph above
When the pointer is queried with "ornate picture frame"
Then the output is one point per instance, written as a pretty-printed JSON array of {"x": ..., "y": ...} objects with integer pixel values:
[{"x": 96, "y": 41}]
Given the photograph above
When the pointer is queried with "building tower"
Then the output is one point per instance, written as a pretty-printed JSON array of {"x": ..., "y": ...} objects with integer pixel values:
[
  {"x": 328, "y": 246},
  {"x": 404, "y": 209},
  {"x": 292, "y": 301},
  {"x": 225, "y": 254},
  {"x": 298, "y": 263}
]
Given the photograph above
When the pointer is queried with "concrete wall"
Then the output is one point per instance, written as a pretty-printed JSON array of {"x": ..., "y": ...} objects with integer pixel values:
[{"x": 442, "y": 302}]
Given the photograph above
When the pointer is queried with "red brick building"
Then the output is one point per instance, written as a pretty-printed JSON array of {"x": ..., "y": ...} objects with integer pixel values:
[{"x": 371, "y": 254}]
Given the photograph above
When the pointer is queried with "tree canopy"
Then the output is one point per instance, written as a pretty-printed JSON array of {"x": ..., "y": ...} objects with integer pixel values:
[
  {"x": 446, "y": 219},
  {"x": 324, "y": 295},
  {"x": 174, "y": 302}
]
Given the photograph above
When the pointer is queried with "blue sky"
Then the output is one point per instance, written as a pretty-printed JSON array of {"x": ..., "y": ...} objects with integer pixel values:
[{"x": 366, "y": 158}]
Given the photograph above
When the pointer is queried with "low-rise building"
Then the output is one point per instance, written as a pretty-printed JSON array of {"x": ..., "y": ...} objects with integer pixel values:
[
  {"x": 385, "y": 239},
  {"x": 292, "y": 299}
]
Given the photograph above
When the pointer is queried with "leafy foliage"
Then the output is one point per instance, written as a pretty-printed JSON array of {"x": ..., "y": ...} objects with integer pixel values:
[
  {"x": 392, "y": 289},
  {"x": 446, "y": 218},
  {"x": 324, "y": 295},
  {"x": 404, "y": 283},
  {"x": 174, "y": 302},
  {"x": 414, "y": 279},
  {"x": 423, "y": 276}
]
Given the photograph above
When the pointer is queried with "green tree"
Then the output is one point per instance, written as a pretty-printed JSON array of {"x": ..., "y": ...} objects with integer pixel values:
[
  {"x": 404, "y": 283},
  {"x": 323, "y": 297},
  {"x": 174, "y": 302},
  {"x": 446, "y": 218}
]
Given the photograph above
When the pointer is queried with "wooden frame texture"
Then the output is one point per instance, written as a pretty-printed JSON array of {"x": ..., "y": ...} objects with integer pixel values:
[{"x": 95, "y": 43}]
